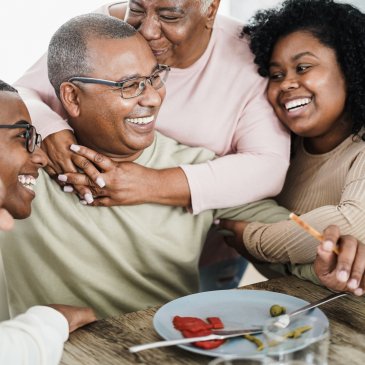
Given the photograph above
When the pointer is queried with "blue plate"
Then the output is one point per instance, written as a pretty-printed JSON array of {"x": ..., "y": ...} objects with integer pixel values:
[{"x": 236, "y": 309}]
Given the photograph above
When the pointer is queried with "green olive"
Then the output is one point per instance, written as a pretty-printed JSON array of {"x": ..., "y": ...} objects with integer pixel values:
[{"x": 277, "y": 310}]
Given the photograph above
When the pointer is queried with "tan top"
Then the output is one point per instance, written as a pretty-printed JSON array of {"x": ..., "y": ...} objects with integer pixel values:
[{"x": 324, "y": 189}]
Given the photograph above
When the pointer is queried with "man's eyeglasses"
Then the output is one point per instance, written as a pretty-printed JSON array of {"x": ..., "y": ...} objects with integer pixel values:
[
  {"x": 133, "y": 87},
  {"x": 32, "y": 138}
]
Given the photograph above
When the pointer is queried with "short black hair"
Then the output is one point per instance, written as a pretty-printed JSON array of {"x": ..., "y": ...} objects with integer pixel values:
[
  {"x": 340, "y": 27},
  {"x": 68, "y": 48},
  {"x": 6, "y": 87}
]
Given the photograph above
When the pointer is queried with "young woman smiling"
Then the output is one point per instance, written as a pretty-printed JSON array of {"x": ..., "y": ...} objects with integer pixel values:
[{"x": 312, "y": 51}]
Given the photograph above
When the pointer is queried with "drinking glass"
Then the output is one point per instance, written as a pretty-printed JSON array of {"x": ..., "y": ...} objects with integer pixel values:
[
  {"x": 304, "y": 342},
  {"x": 241, "y": 361}
]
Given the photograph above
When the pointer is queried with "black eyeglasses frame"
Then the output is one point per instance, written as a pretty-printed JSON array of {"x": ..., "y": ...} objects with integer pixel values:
[{"x": 30, "y": 141}]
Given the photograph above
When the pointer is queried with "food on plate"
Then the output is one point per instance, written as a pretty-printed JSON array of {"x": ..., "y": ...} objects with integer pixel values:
[
  {"x": 195, "y": 327},
  {"x": 259, "y": 344},
  {"x": 277, "y": 310},
  {"x": 297, "y": 332}
]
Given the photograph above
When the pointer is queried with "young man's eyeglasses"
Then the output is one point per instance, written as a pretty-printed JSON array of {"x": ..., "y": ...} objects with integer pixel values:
[
  {"x": 32, "y": 138},
  {"x": 133, "y": 87}
]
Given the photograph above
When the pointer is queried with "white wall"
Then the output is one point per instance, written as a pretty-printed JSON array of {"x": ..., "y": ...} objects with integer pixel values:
[{"x": 27, "y": 25}]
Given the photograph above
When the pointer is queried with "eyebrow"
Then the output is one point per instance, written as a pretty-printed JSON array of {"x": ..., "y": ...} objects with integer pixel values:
[
  {"x": 175, "y": 9},
  {"x": 22, "y": 122},
  {"x": 295, "y": 58},
  {"x": 134, "y": 76}
]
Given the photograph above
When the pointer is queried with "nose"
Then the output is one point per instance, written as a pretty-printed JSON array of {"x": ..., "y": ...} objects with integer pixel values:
[
  {"x": 152, "y": 97},
  {"x": 289, "y": 83},
  {"x": 39, "y": 158},
  {"x": 150, "y": 28}
]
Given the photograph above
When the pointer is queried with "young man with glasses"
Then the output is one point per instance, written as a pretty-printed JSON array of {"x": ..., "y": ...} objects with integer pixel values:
[
  {"x": 120, "y": 258},
  {"x": 35, "y": 337}
]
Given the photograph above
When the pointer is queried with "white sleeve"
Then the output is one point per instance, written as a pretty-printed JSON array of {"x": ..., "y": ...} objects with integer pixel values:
[{"x": 33, "y": 338}]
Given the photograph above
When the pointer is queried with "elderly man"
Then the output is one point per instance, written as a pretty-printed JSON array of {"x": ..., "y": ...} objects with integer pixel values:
[
  {"x": 121, "y": 258},
  {"x": 37, "y": 336},
  {"x": 215, "y": 99}
]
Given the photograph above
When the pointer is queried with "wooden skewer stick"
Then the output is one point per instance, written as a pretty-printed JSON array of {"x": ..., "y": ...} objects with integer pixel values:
[{"x": 313, "y": 232}]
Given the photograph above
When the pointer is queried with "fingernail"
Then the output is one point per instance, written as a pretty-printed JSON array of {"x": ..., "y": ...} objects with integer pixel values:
[
  {"x": 353, "y": 284},
  {"x": 359, "y": 292},
  {"x": 216, "y": 222},
  {"x": 68, "y": 189},
  {"x": 343, "y": 276},
  {"x": 327, "y": 246},
  {"x": 75, "y": 147},
  {"x": 62, "y": 178},
  {"x": 100, "y": 181},
  {"x": 83, "y": 202},
  {"x": 89, "y": 198}
]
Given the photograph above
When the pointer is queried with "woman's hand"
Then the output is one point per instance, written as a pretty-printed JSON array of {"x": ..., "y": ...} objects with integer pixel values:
[
  {"x": 345, "y": 272},
  {"x": 125, "y": 183},
  {"x": 57, "y": 148},
  {"x": 60, "y": 160}
]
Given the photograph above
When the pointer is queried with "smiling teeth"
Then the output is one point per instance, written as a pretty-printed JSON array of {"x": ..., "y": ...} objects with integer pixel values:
[
  {"x": 293, "y": 104},
  {"x": 144, "y": 120},
  {"x": 28, "y": 181}
]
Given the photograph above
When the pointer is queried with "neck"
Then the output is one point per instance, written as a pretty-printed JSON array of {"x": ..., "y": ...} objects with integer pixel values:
[
  {"x": 196, "y": 52},
  {"x": 328, "y": 141}
]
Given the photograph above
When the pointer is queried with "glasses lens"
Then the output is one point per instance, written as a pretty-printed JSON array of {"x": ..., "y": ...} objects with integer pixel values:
[
  {"x": 31, "y": 139},
  {"x": 158, "y": 78},
  {"x": 133, "y": 87}
]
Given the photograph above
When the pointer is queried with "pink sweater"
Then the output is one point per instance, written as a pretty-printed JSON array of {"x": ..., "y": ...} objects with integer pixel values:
[{"x": 219, "y": 102}]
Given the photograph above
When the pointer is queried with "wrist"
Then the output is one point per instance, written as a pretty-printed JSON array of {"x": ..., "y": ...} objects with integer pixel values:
[{"x": 170, "y": 187}]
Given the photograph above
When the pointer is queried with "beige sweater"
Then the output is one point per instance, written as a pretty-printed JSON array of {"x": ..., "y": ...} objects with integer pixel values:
[{"x": 324, "y": 189}]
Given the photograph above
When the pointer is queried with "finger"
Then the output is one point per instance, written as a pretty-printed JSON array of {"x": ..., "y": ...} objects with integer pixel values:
[
  {"x": 84, "y": 193},
  {"x": 237, "y": 227},
  {"x": 361, "y": 289},
  {"x": 103, "y": 202},
  {"x": 103, "y": 162},
  {"x": 51, "y": 171},
  {"x": 75, "y": 178},
  {"x": 89, "y": 169},
  {"x": 358, "y": 268},
  {"x": 227, "y": 224},
  {"x": 346, "y": 258},
  {"x": 326, "y": 260},
  {"x": 331, "y": 234}
]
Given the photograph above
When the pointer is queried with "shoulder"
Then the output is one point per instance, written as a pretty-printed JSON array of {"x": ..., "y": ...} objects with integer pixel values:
[
  {"x": 228, "y": 35},
  {"x": 180, "y": 153},
  {"x": 232, "y": 53}
]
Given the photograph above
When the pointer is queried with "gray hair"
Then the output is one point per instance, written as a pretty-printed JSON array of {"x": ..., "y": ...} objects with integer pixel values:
[
  {"x": 68, "y": 48},
  {"x": 6, "y": 87},
  {"x": 204, "y": 5}
]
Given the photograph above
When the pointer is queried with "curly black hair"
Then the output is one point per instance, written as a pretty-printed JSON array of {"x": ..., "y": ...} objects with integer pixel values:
[{"x": 338, "y": 26}]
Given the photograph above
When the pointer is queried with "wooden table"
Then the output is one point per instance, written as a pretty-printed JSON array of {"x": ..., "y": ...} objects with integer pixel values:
[{"x": 106, "y": 342}]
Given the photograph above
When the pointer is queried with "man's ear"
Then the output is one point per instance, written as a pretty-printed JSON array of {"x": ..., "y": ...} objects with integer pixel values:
[
  {"x": 69, "y": 96},
  {"x": 211, "y": 13}
]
